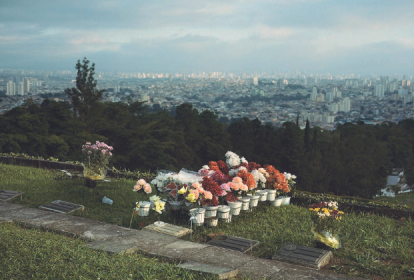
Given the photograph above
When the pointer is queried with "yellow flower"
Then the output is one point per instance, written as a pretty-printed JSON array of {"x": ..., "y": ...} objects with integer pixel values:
[
  {"x": 191, "y": 197},
  {"x": 340, "y": 212},
  {"x": 182, "y": 190},
  {"x": 316, "y": 209},
  {"x": 311, "y": 209},
  {"x": 159, "y": 206}
]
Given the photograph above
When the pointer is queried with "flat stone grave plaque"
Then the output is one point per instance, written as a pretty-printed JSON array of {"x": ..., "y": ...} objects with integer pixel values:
[
  {"x": 233, "y": 243},
  {"x": 209, "y": 269},
  {"x": 60, "y": 206},
  {"x": 303, "y": 255},
  {"x": 6, "y": 195},
  {"x": 169, "y": 229}
]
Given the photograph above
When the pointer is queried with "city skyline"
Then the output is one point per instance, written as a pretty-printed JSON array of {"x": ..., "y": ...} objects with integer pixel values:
[{"x": 373, "y": 37}]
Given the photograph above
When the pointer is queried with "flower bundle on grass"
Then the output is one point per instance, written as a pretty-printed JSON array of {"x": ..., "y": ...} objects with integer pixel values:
[
  {"x": 142, "y": 185},
  {"x": 326, "y": 222},
  {"x": 97, "y": 154},
  {"x": 159, "y": 205}
]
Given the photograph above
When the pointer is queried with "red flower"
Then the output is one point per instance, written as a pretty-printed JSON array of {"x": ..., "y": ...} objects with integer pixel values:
[
  {"x": 221, "y": 178},
  {"x": 230, "y": 197},
  {"x": 213, "y": 166},
  {"x": 276, "y": 180},
  {"x": 213, "y": 201},
  {"x": 247, "y": 178},
  {"x": 223, "y": 167},
  {"x": 210, "y": 185},
  {"x": 252, "y": 166}
]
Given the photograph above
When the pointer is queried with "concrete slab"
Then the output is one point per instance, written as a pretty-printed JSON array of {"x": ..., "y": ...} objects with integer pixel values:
[
  {"x": 219, "y": 271},
  {"x": 178, "y": 250},
  {"x": 23, "y": 214},
  {"x": 7, "y": 206},
  {"x": 84, "y": 228},
  {"x": 260, "y": 268},
  {"x": 221, "y": 257},
  {"x": 137, "y": 240}
]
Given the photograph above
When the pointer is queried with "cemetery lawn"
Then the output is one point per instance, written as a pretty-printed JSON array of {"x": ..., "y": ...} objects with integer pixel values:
[
  {"x": 372, "y": 246},
  {"x": 31, "y": 253},
  {"x": 401, "y": 199}
]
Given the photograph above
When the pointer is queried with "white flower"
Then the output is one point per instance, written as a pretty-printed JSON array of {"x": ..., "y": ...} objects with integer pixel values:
[
  {"x": 258, "y": 177},
  {"x": 243, "y": 160},
  {"x": 234, "y": 172},
  {"x": 155, "y": 198},
  {"x": 205, "y": 167}
]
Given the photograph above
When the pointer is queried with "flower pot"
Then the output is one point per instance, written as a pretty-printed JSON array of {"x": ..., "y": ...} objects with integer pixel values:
[
  {"x": 144, "y": 208},
  {"x": 223, "y": 212},
  {"x": 175, "y": 205},
  {"x": 212, "y": 222},
  {"x": 277, "y": 202},
  {"x": 93, "y": 172},
  {"x": 211, "y": 210},
  {"x": 246, "y": 203},
  {"x": 286, "y": 200},
  {"x": 263, "y": 195},
  {"x": 198, "y": 214},
  {"x": 254, "y": 200},
  {"x": 235, "y": 208},
  {"x": 271, "y": 195}
]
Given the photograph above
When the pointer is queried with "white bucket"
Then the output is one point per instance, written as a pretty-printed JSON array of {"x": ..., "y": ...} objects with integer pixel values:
[{"x": 144, "y": 208}]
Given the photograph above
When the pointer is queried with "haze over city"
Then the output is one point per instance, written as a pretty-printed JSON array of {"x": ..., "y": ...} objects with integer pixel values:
[{"x": 337, "y": 37}]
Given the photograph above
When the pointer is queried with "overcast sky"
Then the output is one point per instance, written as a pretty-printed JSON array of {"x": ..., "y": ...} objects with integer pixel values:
[{"x": 361, "y": 36}]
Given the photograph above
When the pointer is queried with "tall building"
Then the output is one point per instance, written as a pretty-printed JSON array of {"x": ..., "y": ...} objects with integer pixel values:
[
  {"x": 20, "y": 88},
  {"x": 11, "y": 88},
  {"x": 329, "y": 96},
  {"x": 26, "y": 84},
  {"x": 314, "y": 94},
  {"x": 379, "y": 90},
  {"x": 393, "y": 86},
  {"x": 346, "y": 103},
  {"x": 255, "y": 81}
]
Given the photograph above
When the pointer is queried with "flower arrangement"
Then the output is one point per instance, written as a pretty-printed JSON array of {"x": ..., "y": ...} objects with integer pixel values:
[
  {"x": 159, "y": 205},
  {"x": 194, "y": 193},
  {"x": 276, "y": 180},
  {"x": 173, "y": 192},
  {"x": 326, "y": 222},
  {"x": 290, "y": 179},
  {"x": 212, "y": 191},
  {"x": 248, "y": 180},
  {"x": 95, "y": 159},
  {"x": 183, "y": 177},
  {"x": 142, "y": 185}
]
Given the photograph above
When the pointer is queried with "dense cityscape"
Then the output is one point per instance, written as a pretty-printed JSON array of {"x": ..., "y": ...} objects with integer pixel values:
[{"x": 323, "y": 99}]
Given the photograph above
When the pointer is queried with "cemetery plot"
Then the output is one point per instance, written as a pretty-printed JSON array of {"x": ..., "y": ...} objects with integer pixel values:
[
  {"x": 60, "y": 206},
  {"x": 6, "y": 195},
  {"x": 234, "y": 243},
  {"x": 303, "y": 255},
  {"x": 169, "y": 229}
]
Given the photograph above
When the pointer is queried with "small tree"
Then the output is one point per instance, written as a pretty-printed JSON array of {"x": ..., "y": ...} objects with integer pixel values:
[{"x": 85, "y": 97}]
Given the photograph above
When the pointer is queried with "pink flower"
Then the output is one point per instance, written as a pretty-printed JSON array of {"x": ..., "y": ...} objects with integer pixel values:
[
  {"x": 208, "y": 195},
  {"x": 235, "y": 187},
  {"x": 225, "y": 187},
  {"x": 223, "y": 193},
  {"x": 147, "y": 188},
  {"x": 110, "y": 153},
  {"x": 141, "y": 182},
  {"x": 90, "y": 152},
  {"x": 201, "y": 190},
  {"x": 237, "y": 180},
  {"x": 103, "y": 152},
  {"x": 204, "y": 172},
  {"x": 137, "y": 187},
  {"x": 243, "y": 187},
  {"x": 196, "y": 193},
  {"x": 196, "y": 185},
  {"x": 88, "y": 143}
]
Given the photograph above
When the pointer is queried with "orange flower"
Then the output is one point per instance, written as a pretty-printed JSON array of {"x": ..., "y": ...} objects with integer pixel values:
[{"x": 247, "y": 178}]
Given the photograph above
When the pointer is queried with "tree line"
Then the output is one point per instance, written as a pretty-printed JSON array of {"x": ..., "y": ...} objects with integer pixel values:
[{"x": 353, "y": 159}]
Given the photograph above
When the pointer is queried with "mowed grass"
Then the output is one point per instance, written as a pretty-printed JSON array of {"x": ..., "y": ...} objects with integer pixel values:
[
  {"x": 372, "y": 246},
  {"x": 35, "y": 254},
  {"x": 401, "y": 199}
]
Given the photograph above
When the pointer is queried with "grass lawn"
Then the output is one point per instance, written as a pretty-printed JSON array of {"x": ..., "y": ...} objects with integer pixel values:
[
  {"x": 35, "y": 254},
  {"x": 402, "y": 199},
  {"x": 372, "y": 246}
]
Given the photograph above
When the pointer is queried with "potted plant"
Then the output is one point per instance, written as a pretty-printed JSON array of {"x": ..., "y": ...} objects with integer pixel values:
[
  {"x": 292, "y": 186},
  {"x": 326, "y": 222}
]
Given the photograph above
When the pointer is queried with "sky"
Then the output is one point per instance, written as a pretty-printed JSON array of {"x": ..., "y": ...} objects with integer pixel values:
[{"x": 176, "y": 36}]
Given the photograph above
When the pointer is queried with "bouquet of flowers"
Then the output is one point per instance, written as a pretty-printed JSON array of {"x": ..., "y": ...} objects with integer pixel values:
[
  {"x": 326, "y": 222},
  {"x": 142, "y": 185},
  {"x": 194, "y": 193},
  {"x": 95, "y": 159},
  {"x": 290, "y": 179},
  {"x": 163, "y": 179},
  {"x": 276, "y": 180}
]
